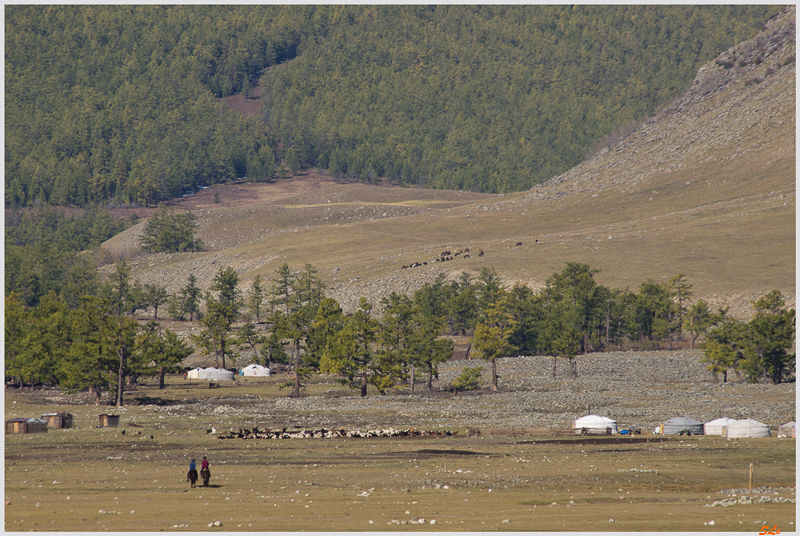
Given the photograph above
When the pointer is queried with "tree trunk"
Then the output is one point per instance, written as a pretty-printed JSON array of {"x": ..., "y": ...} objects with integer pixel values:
[
  {"x": 222, "y": 350},
  {"x": 297, "y": 369},
  {"x": 161, "y": 373},
  {"x": 724, "y": 376},
  {"x": 412, "y": 377},
  {"x": 466, "y": 355},
  {"x": 430, "y": 377},
  {"x": 97, "y": 394},
  {"x": 364, "y": 384},
  {"x": 494, "y": 375},
  {"x": 120, "y": 379}
]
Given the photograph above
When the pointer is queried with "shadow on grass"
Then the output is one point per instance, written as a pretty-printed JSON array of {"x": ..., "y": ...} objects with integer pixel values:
[{"x": 154, "y": 401}]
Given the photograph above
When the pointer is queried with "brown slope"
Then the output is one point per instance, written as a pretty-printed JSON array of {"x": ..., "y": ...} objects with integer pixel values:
[{"x": 705, "y": 189}]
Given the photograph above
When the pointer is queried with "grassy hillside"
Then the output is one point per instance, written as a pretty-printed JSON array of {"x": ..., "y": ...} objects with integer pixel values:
[{"x": 706, "y": 189}]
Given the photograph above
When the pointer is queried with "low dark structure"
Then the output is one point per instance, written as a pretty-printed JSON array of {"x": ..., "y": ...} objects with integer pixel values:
[
  {"x": 25, "y": 425},
  {"x": 59, "y": 419},
  {"x": 108, "y": 421}
]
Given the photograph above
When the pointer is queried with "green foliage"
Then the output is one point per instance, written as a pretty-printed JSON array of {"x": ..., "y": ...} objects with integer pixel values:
[
  {"x": 120, "y": 103},
  {"x": 160, "y": 351},
  {"x": 698, "y": 319},
  {"x": 255, "y": 298},
  {"x": 769, "y": 338},
  {"x": 486, "y": 98},
  {"x": 44, "y": 251},
  {"x": 119, "y": 338},
  {"x": 168, "y": 232},
  {"x": 187, "y": 300},
  {"x": 300, "y": 296},
  {"x": 154, "y": 296},
  {"x": 328, "y": 321},
  {"x": 229, "y": 296},
  {"x": 350, "y": 353},
  {"x": 89, "y": 362},
  {"x": 469, "y": 379},
  {"x": 82, "y": 230},
  {"x": 489, "y": 343},
  {"x": 222, "y": 310},
  {"x": 118, "y": 292},
  {"x": 718, "y": 357}
]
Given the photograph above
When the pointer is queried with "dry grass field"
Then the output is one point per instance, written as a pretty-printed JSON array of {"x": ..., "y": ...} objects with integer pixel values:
[{"x": 133, "y": 477}]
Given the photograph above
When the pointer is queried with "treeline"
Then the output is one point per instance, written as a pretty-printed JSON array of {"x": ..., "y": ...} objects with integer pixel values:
[
  {"x": 47, "y": 250},
  {"x": 486, "y": 98},
  {"x": 171, "y": 232},
  {"x": 119, "y": 104},
  {"x": 98, "y": 345}
]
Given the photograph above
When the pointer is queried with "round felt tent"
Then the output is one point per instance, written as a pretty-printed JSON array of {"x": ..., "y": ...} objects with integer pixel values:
[
  {"x": 595, "y": 424},
  {"x": 680, "y": 425},
  {"x": 715, "y": 427},
  {"x": 194, "y": 374},
  {"x": 210, "y": 373},
  {"x": 255, "y": 370},
  {"x": 216, "y": 374},
  {"x": 788, "y": 430},
  {"x": 745, "y": 428}
]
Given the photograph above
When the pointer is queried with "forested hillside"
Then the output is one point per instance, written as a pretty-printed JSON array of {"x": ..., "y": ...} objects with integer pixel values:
[
  {"x": 120, "y": 103},
  {"x": 491, "y": 98}
]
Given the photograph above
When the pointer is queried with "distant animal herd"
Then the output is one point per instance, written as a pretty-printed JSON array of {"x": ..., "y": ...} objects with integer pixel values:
[{"x": 448, "y": 255}]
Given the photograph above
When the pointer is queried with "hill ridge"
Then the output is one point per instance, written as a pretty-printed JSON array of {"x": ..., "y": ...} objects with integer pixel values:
[{"x": 705, "y": 188}]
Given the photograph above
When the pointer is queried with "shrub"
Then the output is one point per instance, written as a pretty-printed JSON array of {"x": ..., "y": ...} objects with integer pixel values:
[{"x": 468, "y": 380}]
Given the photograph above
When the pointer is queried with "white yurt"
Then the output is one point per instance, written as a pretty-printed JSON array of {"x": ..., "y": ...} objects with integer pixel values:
[
  {"x": 788, "y": 430},
  {"x": 595, "y": 423},
  {"x": 218, "y": 374},
  {"x": 210, "y": 373},
  {"x": 715, "y": 427},
  {"x": 255, "y": 370},
  {"x": 680, "y": 425},
  {"x": 745, "y": 428}
]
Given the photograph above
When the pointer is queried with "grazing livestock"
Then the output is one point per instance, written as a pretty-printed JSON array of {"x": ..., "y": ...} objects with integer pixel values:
[
  {"x": 480, "y": 253},
  {"x": 466, "y": 255},
  {"x": 205, "y": 474},
  {"x": 519, "y": 243},
  {"x": 466, "y": 250}
]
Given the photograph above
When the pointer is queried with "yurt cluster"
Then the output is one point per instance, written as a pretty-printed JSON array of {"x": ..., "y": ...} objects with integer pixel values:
[
  {"x": 725, "y": 427},
  {"x": 220, "y": 374}
]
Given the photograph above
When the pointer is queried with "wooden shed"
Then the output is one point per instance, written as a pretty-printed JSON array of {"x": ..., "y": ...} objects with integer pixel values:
[
  {"x": 58, "y": 419},
  {"x": 25, "y": 425},
  {"x": 107, "y": 421}
]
